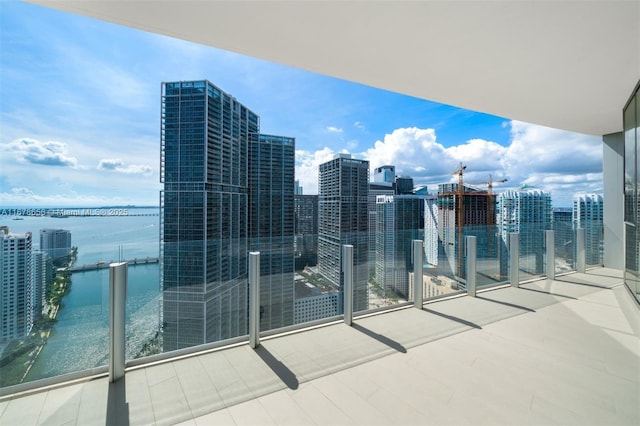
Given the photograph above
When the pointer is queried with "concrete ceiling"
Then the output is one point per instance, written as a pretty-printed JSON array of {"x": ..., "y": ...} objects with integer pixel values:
[{"x": 565, "y": 64}]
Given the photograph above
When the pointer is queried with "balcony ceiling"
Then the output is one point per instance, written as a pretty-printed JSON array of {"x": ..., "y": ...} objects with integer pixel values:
[{"x": 564, "y": 64}]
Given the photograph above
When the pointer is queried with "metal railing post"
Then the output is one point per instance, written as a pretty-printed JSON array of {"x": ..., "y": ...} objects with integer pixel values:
[
  {"x": 117, "y": 312},
  {"x": 254, "y": 299},
  {"x": 550, "y": 242},
  {"x": 417, "y": 274},
  {"x": 471, "y": 265},
  {"x": 347, "y": 271},
  {"x": 514, "y": 259},
  {"x": 581, "y": 235}
]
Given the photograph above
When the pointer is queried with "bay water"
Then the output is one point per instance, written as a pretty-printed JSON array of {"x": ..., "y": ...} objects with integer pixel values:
[{"x": 79, "y": 339}]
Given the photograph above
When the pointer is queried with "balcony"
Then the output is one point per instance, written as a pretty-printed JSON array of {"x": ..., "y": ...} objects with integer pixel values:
[{"x": 561, "y": 351}]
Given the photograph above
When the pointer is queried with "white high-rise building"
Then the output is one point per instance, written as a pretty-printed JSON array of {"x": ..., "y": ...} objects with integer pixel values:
[
  {"x": 588, "y": 210},
  {"x": 16, "y": 291},
  {"x": 527, "y": 212},
  {"x": 431, "y": 230}
]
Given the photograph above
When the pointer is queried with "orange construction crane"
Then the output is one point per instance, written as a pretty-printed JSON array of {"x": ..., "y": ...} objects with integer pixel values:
[
  {"x": 460, "y": 213},
  {"x": 491, "y": 182}
]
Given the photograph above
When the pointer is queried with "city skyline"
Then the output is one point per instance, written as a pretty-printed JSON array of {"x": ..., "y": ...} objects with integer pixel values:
[{"x": 80, "y": 119}]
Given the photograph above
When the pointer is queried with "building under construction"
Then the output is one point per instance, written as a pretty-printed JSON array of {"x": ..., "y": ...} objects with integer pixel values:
[{"x": 475, "y": 216}]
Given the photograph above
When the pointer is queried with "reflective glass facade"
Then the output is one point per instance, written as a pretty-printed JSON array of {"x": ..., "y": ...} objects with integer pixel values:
[
  {"x": 631, "y": 212},
  {"x": 343, "y": 185},
  {"x": 204, "y": 153},
  {"x": 271, "y": 222}
]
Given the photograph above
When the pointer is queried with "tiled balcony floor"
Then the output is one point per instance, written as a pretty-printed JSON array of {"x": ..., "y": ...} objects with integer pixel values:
[{"x": 551, "y": 352}]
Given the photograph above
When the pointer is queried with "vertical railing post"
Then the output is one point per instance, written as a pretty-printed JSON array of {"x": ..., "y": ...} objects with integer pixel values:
[
  {"x": 550, "y": 242},
  {"x": 471, "y": 265},
  {"x": 117, "y": 312},
  {"x": 514, "y": 259},
  {"x": 580, "y": 250},
  {"x": 254, "y": 299},
  {"x": 417, "y": 273},
  {"x": 347, "y": 273}
]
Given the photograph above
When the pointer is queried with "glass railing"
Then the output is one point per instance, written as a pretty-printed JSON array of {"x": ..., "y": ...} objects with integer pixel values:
[
  {"x": 594, "y": 245},
  {"x": 169, "y": 308},
  {"x": 532, "y": 251},
  {"x": 492, "y": 255},
  {"x": 564, "y": 238}
]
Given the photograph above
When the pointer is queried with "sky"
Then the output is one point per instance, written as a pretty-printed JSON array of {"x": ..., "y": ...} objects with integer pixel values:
[{"x": 80, "y": 119}]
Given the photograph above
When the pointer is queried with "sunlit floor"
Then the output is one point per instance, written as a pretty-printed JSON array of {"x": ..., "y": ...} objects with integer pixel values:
[{"x": 550, "y": 352}]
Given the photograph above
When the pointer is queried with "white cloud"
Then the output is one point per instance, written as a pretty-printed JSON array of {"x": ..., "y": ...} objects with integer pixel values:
[
  {"x": 332, "y": 129},
  {"x": 117, "y": 165},
  {"x": 50, "y": 153},
  {"x": 359, "y": 125},
  {"x": 560, "y": 162}
]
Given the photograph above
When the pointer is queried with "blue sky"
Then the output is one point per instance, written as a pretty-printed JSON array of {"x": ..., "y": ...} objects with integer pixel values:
[{"x": 80, "y": 107}]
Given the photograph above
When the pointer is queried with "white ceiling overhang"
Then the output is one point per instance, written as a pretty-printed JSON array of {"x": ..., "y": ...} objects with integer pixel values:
[{"x": 565, "y": 64}]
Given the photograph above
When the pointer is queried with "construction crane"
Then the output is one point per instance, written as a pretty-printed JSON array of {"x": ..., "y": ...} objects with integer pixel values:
[
  {"x": 491, "y": 182},
  {"x": 460, "y": 213},
  {"x": 490, "y": 204}
]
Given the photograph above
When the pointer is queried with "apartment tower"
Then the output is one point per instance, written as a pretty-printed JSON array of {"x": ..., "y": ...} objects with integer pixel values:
[
  {"x": 56, "y": 243},
  {"x": 16, "y": 291},
  {"x": 588, "y": 212},
  {"x": 343, "y": 219},
  {"x": 527, "y": 212},
  {"x": 400, "y": 220}
]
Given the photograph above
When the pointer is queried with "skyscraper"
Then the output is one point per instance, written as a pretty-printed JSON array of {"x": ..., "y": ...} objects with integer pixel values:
[
  {"x": 56, "y": 243},
  {"x": 42, "y": 274},
  {"x": 527, "y": 212},
  {"x": 306, "y": 230},
  {"x": 400, "y": 221},
  {"x": 271, "y": 222},
  {"x": 206, "y": 137},
  {"x": 588, "y": 214},
  {"x": 343, "y": 219},
  {"x": 16, "y": 291}
]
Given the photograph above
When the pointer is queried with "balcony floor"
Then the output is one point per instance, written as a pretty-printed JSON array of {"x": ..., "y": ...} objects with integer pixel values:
[{"x": 550, "y": 352}]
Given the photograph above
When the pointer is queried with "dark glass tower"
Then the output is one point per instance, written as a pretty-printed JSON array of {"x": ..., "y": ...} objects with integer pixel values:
[
  {"x": 204, "y": 147},
  {"x": 343, "y": 219},
  {"x": 227, "y": 189},
  {"x": 306, "y": 230},
  {"x": 271, "y": 223}
]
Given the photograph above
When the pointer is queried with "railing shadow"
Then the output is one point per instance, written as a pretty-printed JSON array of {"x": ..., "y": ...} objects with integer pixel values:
[
  {"x": 452, "y": 318},
  {"x": 117, "y": 405},
  {"x": 511, "y": 305},
  {"x": 380, "y": 338},
  {"x": 547, "y": 292},
  {"x": 282, "y": 371}
]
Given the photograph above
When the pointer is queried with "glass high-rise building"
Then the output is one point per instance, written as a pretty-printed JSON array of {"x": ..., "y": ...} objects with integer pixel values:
[
  {"x": 56, "y": 243},
  {"x": 306, "y": 230},
  {"x": 400, "y": 221},
  {"x": 207, "y": 141},
  {"x": 343, "y": 219},
  {"x": 271, "y": 224}
]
